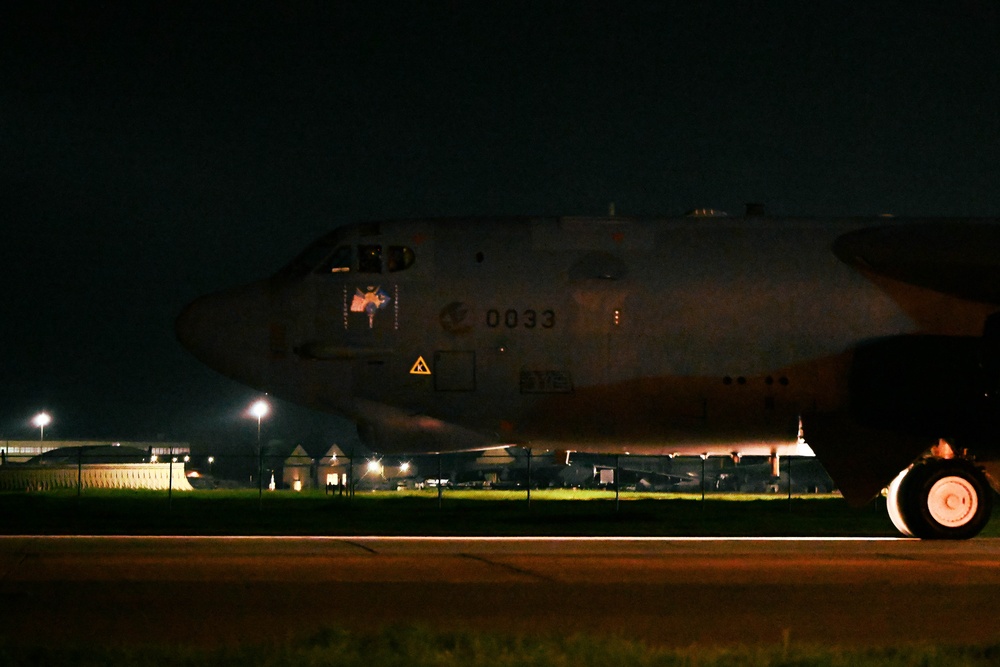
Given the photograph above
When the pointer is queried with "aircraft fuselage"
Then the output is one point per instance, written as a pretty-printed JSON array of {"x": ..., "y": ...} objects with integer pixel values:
[{"x": 684, "y": 335}]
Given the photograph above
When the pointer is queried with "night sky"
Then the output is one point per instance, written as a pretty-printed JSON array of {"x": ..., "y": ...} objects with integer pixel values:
[{"x": 153, "y": 152}]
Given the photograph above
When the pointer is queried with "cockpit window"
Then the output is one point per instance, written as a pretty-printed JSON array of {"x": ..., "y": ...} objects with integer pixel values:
[
  {"x": 310, "y": 259},
  {"x": 338, "y": 262},
  {"x": 400, "y": 258},
  {"x": 370, "y": 259},
  {"x": 321, "y": 259},
  {"x": 307, "y": 261}
]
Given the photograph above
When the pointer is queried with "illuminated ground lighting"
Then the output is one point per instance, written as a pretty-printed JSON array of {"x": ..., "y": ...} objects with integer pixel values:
[
  {"x": 259, "y": 409},
  {"x": 41, "y": 420},
  {"x": 596, "y": 538},
  {"x": 473, "y": 538}
]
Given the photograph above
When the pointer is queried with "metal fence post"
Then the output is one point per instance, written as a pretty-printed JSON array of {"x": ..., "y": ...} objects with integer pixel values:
[
  {"x": 170, "y": 478},
  {"x": 350, "y": 478},
  {"x": 704, "y": 457},
  {"x": 439, "y": 484},
  {"x": 528, "y": 485},
  {"x": 617, "y": 482},
  {"x": 789, "y": 483}
]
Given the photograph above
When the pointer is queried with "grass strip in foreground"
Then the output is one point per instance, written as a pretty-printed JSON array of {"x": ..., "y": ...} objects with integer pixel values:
[
  {"x": 459, "y": 513},
  {"x": 417, "y": 647}
]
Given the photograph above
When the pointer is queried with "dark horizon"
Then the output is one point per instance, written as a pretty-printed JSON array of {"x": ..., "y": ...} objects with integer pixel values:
[{"x": 162, "y": 151}]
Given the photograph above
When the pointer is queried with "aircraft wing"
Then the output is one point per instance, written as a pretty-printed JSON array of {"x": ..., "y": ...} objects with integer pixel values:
[{"x": 959, "y": 259}]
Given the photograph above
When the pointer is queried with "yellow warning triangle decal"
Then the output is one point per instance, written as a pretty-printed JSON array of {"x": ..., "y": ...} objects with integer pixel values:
[{"x": 420, "y": 367}]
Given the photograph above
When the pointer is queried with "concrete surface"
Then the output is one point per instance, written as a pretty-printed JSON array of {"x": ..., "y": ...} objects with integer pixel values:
[{"x": 666, "y": 591}]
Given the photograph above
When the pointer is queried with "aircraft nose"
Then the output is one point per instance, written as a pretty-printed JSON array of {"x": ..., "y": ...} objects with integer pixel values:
[{"x": 227, "y": 331}]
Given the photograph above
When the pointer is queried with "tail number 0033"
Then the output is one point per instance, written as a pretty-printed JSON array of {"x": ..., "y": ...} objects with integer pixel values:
[{"x": 513, "y": 318}]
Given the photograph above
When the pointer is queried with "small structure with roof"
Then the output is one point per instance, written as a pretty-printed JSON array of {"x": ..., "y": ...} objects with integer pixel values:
[
  {"x": 299, "y": 470},
  {"x": 334, "y": 469}
]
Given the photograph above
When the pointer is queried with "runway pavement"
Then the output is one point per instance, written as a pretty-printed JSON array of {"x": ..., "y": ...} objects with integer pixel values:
[{"x": 667, "y": 591}]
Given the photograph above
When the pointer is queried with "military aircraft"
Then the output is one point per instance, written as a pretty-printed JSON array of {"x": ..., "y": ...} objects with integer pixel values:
[{"x": 874, "y": 342}]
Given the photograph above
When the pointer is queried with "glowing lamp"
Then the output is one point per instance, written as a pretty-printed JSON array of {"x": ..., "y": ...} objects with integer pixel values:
[
  {"x": 259, "y": 409},
  {"x": 41, "y": 420}
]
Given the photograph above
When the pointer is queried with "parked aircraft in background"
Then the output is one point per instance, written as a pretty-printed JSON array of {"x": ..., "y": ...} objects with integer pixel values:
[{"x": 875, "y": 341}]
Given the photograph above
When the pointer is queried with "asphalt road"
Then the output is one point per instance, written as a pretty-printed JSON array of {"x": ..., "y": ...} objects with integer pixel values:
[{"x": 667, "y": 591}]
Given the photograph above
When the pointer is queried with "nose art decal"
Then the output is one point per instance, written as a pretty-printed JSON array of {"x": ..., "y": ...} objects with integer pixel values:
[{"x": 370, "y": 302}]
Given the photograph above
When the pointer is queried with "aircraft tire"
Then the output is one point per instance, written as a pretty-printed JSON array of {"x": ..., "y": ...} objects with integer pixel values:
[
  {"x": 894, "y": 503},
  {"x": 945, "y": 499}
]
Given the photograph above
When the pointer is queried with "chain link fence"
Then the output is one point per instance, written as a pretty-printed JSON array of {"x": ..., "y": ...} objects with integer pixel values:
[{"x": 274, "y": 469}]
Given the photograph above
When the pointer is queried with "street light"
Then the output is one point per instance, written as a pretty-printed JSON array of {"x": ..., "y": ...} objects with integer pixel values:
[
  {"x": 259, "y": 409},
  {"x": 41, "y": 420}
]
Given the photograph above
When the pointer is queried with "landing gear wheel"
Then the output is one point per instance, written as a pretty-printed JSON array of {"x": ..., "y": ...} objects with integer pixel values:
[
  {"x": 943, "y": 499},
  {"x": 894, "y": 503}
]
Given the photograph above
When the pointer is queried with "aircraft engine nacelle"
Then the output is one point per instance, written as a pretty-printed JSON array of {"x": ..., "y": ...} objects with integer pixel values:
[{"x": 933, "y": 386}]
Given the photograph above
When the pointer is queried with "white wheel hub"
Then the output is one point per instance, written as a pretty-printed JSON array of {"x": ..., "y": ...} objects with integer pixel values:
[{"x": 952, "y": 501}]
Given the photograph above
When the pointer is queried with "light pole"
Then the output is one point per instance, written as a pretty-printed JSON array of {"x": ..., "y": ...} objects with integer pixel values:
[
  {"x": 259, "y": 409},
  {"x": 41, "y": 420}
]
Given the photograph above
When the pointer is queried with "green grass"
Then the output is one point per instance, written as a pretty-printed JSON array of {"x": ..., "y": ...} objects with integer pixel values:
[
  {"x": 551, "y": 512},
  {"x": 416, "y": 647}
]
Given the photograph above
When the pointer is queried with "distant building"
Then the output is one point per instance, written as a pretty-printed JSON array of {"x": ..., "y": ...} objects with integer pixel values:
[
  {"x": 20, "y": 451},
  {"x": 299, "y": 470},
  {"x": 42, "y": 466},
  {"x": 330, "y": 471},
  {"x": 334, "y": 469}
]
